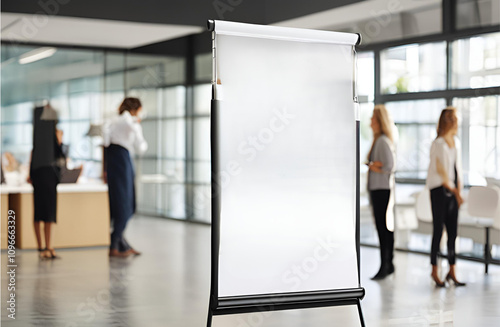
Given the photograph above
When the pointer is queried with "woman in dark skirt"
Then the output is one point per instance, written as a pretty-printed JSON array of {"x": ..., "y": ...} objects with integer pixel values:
[
  {"x": 47, "y": 159},
  {"x": 122, "y": 138}
]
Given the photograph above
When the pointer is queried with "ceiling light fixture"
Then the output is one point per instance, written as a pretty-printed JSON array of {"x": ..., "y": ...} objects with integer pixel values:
[{"x": 37, "y": 54}]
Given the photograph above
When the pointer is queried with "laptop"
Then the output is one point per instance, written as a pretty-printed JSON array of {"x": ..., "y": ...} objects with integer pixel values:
[{"x": 70, "y": 175}]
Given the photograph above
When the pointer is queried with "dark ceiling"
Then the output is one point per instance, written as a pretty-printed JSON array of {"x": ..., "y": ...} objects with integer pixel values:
[{"x": 185, "y": 12}]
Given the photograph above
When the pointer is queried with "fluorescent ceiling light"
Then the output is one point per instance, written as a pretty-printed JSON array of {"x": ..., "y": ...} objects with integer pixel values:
[{"x": 37, "y": 54}]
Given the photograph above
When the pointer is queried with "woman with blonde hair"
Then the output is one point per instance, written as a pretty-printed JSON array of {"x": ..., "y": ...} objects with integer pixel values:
[
  {"x": 381, "y": 165},
  {"x": 444, "y": 180}
]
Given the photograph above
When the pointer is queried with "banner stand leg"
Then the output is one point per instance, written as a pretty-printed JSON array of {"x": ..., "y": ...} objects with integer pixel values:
[
  {"x": 209, "y": 318},
  {"x": 361, "y": 319},
  {"x": 225, "y": 312}
]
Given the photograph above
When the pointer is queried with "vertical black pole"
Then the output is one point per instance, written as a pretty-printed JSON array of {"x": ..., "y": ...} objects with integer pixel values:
[
  {"x": 215, "y": 188},
  {"x": 487, "y": 249},
  {"x": 209, "y": 319},
  {"x": 360, "y": 312},
  {"x": 214, "y": 143},
  {"x": 358, "y": 218},
  {"x": 357, "y": 117}
]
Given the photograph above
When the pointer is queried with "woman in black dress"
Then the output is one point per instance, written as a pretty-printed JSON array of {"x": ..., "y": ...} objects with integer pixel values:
[{"x": 47, "y": 159}]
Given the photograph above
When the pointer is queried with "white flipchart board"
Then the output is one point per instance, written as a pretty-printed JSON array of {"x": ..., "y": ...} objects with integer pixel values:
[{"x": 287, "y": 146}]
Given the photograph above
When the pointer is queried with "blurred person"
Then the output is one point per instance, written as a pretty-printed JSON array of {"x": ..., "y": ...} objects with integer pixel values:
[
  {"x": 11, "y": 172},
  {"x": 123, "y": 137},
  {"x": 9, "y": 162},
  {"x": 444, "y": 180},
  {"x": 381, "y": 165},
  {"x": 47, "y": 158}
]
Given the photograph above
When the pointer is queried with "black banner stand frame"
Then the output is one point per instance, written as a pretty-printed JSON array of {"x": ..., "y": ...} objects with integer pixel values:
[{"x": 269, "y": 302}]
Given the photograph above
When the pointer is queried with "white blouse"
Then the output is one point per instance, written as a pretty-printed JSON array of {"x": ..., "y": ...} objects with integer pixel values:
[
  {"x": 124, "y": 130},
  {"x": 450, "y": 158}
]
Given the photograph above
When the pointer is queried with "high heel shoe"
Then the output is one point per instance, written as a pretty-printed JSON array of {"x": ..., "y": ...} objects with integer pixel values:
[
  {"x": 51, "y": 254},
  {"x": 455, "y": 281},
  {"x": 438, "y": 282},
  {"x": 44, "y": 254},
  {"x": 435, "y": 277}
]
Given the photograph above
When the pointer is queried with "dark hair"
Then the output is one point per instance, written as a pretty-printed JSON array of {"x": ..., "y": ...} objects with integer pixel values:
[
  {"x": 130, "y": 105},
  {"x": 447, "y": 120}
]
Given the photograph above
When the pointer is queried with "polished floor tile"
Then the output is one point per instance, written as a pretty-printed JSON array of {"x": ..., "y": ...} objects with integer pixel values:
[{"x": 169, "y": 284}]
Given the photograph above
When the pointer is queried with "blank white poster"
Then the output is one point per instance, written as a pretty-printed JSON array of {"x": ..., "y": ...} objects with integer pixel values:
[{"x": 287, "y": 145}]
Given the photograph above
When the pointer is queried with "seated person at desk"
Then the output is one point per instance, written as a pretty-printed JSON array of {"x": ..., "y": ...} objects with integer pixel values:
[{"x": 13, "y": 173}]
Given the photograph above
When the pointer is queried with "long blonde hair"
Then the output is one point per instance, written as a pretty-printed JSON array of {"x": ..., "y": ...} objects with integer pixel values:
[{"x": 385, "y": 122}]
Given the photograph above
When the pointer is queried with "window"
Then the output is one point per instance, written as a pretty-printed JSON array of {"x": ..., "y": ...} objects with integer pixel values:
[
  {"x": 476, "y": 13},
  {"x": 480, "y": 135},
  {"x": 413, "y": 68},
  {"x": 393, "y": 20},
  {"x": 201, "y": 152},
  {"x": 203, "y": 67},
  {"x": 476, "y": 62},
  {"x": 416, "y": 122},
  {"x": 366, "y": 95}
]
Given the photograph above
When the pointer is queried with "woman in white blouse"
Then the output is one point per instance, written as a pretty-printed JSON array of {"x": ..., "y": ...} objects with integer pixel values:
[
  {"x": 444, "y": 180},
  {"x": 122, "y": 139}
]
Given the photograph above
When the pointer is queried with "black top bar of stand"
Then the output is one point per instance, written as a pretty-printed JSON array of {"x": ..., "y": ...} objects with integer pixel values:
[
  {"x": 359, "y": 39},
  {"x": 211, "y": 25},
  {"x": 211, "y": 28}
]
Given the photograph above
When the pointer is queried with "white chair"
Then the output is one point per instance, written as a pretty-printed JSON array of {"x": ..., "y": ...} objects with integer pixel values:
[
  {"x": 423, "y": 208},
  {"x": 484, "y": 203}
]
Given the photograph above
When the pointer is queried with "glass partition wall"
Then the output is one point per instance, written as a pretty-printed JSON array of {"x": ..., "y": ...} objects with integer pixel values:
[
  {"x": 416, "y": 81},
  {"x": 86, "y": 87}
]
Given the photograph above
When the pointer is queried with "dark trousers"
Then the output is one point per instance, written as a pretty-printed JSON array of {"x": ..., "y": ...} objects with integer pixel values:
[
  {"x": 444, "y": 213},
  {"x": 118, "y": 240},
  {"x": 380, "y": 201},
  {"x": 121, "y": 190}
]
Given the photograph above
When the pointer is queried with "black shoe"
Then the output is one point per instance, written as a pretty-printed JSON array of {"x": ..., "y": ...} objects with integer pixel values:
[
  {"x": 385, "y": 270},
  {"x": 391, "y": 268},
  {"x": 438, "y": 282},
  {"x": 455, "y": 281}
]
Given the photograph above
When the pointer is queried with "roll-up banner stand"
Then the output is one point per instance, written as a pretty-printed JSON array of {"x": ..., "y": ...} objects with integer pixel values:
[{"x": 285, "y": 169}]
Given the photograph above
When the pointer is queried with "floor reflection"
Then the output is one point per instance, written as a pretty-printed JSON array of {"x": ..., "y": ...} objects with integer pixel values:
[{"x": 168, "y": 285}]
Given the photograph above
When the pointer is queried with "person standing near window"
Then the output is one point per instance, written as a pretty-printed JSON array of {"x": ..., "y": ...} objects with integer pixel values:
[
  {"x": 444, "y": 180},
  {"x": 381, "y": 165},
  {"x": 122, "y": 139},
  {"x": 47, "y": 158}
]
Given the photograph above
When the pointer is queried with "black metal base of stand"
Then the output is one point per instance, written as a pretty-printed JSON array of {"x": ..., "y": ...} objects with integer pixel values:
[{"x": 289, "y": 301}]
